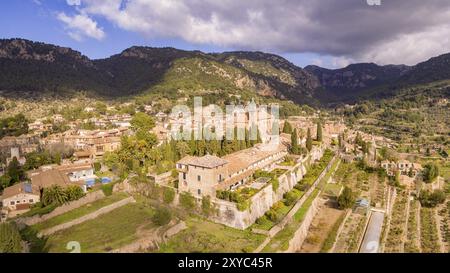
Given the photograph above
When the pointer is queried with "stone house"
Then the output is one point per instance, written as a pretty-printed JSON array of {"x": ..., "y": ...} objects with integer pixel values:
[{"x": 205, "y": 175}]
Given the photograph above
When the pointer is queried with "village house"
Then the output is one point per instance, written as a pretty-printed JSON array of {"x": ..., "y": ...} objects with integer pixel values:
[
  {"x": 96, "y": 142},
  {"x": 205, "y": 175},
  {"x": 26, "y": 143},
  {"x": 20, "y": 197},
  {"x": 81, "y": 175}
]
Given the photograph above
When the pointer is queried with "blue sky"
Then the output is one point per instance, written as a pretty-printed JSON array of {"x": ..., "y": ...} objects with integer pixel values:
[
  {"x": 37, "y": 20},
  {"x": 329, "y": 33}
]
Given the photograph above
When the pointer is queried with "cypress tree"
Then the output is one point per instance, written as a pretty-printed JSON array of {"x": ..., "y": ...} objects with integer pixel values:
[
  {"x": 319, "y": 132},
  {"x": 294, "y": 142},
  {"x": 309, "y": 140}
]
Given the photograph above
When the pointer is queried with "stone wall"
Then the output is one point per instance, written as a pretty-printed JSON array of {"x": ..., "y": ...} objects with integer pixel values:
[
  {"x": 261, "y": 202},
  {"x": 87, "y": 217},
  {"x": 88, "y": 198},
  {"x": 300, "y": 235}
]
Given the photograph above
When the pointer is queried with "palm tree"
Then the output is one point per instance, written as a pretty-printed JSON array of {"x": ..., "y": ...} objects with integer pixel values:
[{"x": 54, "y": 195}]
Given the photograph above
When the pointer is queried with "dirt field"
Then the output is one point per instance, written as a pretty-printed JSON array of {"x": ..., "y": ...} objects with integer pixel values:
[{"x": 322, "y": 224}]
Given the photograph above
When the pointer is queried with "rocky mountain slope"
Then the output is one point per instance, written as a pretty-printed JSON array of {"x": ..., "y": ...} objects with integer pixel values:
[{"x": 33, "y": 69}]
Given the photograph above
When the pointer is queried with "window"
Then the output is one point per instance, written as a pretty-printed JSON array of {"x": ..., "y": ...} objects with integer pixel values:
[
  {"x": 17, "y": 202},
  {"x": 199, "y": 178},
  {"x": 220, "y": 178},
  {"x": 199, "y": 192},
  {"x": 12, "y": 203},
  {"x": 31, "y": 201},
  {"x": 184, "y": 175}
]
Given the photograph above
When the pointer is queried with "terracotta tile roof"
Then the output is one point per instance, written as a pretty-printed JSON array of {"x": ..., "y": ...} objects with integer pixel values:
[
  {"x": 207, "y": 161},
  {"x": 48, "y": 178},
  {"x": 19, "y": 188}
]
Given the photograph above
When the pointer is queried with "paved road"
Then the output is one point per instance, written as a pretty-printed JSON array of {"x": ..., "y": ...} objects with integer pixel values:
[{"x": 371, "y": 241}]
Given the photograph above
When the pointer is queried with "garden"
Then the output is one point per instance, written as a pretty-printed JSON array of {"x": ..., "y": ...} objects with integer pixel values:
[{"x": 428, "y": 229}]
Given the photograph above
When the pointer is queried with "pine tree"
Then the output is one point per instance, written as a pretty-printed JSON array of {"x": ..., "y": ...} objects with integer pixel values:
[{"x": 308, "y": 140}]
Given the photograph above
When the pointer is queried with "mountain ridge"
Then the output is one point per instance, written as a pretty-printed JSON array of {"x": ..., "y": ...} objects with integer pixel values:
[{"x": 39, "y": 68}]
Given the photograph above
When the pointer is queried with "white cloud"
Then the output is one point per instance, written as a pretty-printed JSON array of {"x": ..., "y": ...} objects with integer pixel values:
[
  {"x": 339, "y": 62},
  {"x": 73, "y": 2},
  {"x": 80, "y": 26},
  {"x": 345, "y": 29},
  {"x": 411, "y": 48}
]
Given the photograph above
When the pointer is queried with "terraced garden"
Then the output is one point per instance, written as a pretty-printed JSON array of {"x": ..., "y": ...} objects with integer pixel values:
[
  {"x": 396, "y": 233},
  {"x": 412, "y": 238},
  {"x": 79, "y": 212},
  {"x": 281, "y": 240},
  {"x": 428, "y": 231},
  {"x": 205, "y": 236},
  {"x": 444, "y": 214},
  {"x": 348, "y": 240},
  {"x": 105, "y": 233}
]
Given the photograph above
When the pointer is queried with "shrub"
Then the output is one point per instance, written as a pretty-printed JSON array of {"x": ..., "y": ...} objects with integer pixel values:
[
  {"x": 187, "y": 201},
  {"x": 243, "y": 205},
  {"x": 275, "y": 184},
  {"x": 272, "y": 215},
  {"x": 107, "y": 189},
  {"x": 10, "y": 239},
  {"x": 97, "y": 166},
  {"x": 261, "y": 220},
  {"x": 290, "y": 198},
  {"x": 162, "y": 217},
  {"x": 206, "y": 205},
  {"x": 430, "y": 172},
  {"x": 431, "y": 200},
  {"x": 168, "y": 195}
]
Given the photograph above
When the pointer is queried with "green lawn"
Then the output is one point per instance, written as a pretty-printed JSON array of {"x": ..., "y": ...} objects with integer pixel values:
[
  {"x": 332, "y": 189},
  {"x": 105, "y": 233},
  {"x": 205, "y": 236},
  {"x": 81, "y": 211}
]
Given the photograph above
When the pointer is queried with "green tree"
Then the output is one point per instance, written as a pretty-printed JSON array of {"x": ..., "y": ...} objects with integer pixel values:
[
  {"x": 287, "y": 128},
  {"x": 168, "y": 195},
  {"x": 162, "y": 216},
  {"x": 15, "y": 171},
  {"x": 5, "y": 181},
  {"x": 10, "y": 239},
  {"x": 74, "y": 193},
  {"x": 182, "y": 149},
  {"x": 308, "y": 140},
  {"x": 142, "y": 121},
  {"x": 432, "y": 199},
  {"x": 319, "y": 132},
  {"x": 430, "y": 172},
  {"x": 54, "y": 195},
  {"x": 346, "y": 199},
  {"x": 295, "y": 149},
  {"x": 206, "y": 205}
]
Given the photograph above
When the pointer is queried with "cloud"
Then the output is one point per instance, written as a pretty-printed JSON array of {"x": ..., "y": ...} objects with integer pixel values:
[
  {"x": 345, "y": 29},
  {"x": 73, "y": 2},
  {"x": 80, "y": 26}
]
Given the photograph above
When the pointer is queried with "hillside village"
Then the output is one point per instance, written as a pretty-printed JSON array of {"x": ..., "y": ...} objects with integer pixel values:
[{"x": 322, "y": 187}]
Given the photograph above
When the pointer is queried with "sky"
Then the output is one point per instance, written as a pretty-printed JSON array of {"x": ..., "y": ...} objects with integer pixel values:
[{"x": 328, "y": 33}]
